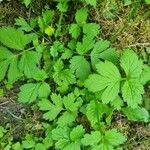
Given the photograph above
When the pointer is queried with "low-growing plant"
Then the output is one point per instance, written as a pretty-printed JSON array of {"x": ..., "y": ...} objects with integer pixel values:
[{"x": 71, "y": 75}]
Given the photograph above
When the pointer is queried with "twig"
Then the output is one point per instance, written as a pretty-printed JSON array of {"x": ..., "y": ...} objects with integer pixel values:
[
  {"x": 139, "y": 44},
  {"x": 1, "y": 104}
]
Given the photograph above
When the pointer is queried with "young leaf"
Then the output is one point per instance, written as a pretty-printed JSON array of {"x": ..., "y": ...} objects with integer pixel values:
[
  {"x": 13, "y": 38},
  {"x": 132, "y": 91},
  {"x": 108, "y": 80},
  {"x": 81, "y": 16},
  {"x": 80, "y": 66},
  {"x": 28, "y": 92}
]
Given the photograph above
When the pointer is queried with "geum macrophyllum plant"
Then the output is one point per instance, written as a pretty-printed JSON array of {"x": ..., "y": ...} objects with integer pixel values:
[{"x": 77, "y": 85}]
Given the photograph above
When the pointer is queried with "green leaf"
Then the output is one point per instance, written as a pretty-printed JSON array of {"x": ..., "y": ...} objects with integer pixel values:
[
  {"x": 26, "y": 2},
  {"x": 77, "y": 133},
  {"x": 147, "y": 1},
  {"x": 81, "y": 16},
  {"x": 73, "y": 146},
  {"x": 91, "y": 29},
  {"x": 62, "y": 6},
  {"x": 137, "y": 114},
  {"x": 102, "y": 51},
  {"x": 13, "y": 72},
  {"x": 44, "y": 90},
  {"x": 48, "y": 16},
  {"x": 67, "y": 118},
  {"x": 5, "y": 53},
  {"x": 91, "y": 139},
  {"x": 117, "y": 103},
  {"x": 9, "y": 61},
  {"x": 40, "y": 146},
  {"x": 104, "y": 146},
  {"x": 2, "y": 130},
  {"x": 4, "y": 66},
  {"x": 28, "y": 63},
  {"x": 145, "y": 76},
  {"x": 86, "y": 45},
  {"x": 91, "y": 2},
  {"x": 40, "y": 75},
  {"x": 131, "y": 64},
  {"x": 114, "y": 138},
  {"x": 80, "y": 66},
  {"x": 13, "y": 38},
  {"x": 75, "y": 30},
  {"x": 127, "y": 2},
  {"x": 28, "y": 93},
  {"x": 44, "y": 105},
  {"x": 72, "y": 103},
  {"x": 61, "y": 135},
  {"x": 93, "y": 112},
  {"x": 23, "y": 24},
  {"x": 132, "y": 91},
  {"x": 45, "y": 20},
  {"x": 108, "y": 80},
  {"x": 63, "y": 75},
  {"x": 17, "y": 146},
  {"x": 53, "y": 108},
  {"x": 29, "y": 142}
]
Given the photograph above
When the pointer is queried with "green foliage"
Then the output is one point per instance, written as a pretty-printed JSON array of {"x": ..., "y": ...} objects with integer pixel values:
[
  {"x": 76, "y": 81},
  {"x": 106, "y": 142},
  {"x": 147, "y": 1},
  {"x": 109, "y": 80},
  {"x": 80, "y": 66},
  {"x": 27, "y": 2},
  {"x": 91, "y": 2},
  {"x": 13, "y": 38}
]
